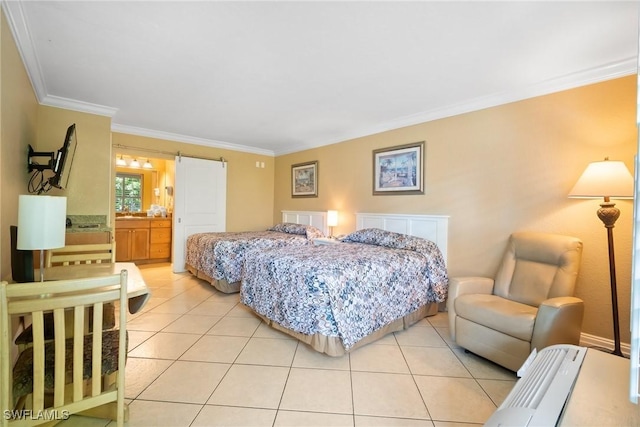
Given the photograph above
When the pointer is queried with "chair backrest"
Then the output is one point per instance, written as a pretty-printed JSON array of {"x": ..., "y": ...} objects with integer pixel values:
[
  {"x": 538, "y": 266},
  {"x": 62, "y": 366},
  {"x": 81, "y": 254}
]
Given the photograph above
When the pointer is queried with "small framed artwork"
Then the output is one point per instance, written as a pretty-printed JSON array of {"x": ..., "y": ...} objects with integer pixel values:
[
  {"x": 399, "y": 169},
  {"x": 304, "y": 179}
]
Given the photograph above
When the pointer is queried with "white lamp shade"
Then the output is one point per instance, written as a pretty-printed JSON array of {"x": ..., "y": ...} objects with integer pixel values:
[
  {"x": 41, "y": 222},
  {"x": 332, "y": 218},
  {"x": 604, "y": 179}
]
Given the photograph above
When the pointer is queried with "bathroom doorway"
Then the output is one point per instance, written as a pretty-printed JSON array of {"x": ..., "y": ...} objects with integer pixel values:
[{"x": 143, "y": 186}]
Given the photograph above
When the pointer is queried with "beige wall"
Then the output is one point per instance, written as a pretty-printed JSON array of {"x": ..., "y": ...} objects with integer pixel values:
[
  {"x": 90, "y": 178},
  {"x": 18, "y": 117},
  {"x": 249, "y": 189},
  {"x": 495, "y": 171}
]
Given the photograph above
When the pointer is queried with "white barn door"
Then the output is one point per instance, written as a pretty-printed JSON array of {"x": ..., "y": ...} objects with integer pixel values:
[{"x": 200, "y": 202}]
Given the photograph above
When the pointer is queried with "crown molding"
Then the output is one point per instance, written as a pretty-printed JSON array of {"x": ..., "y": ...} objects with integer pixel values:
[
  {"x": 622, "y": 68},
  {"x": 150, "y": 133},
  {"x": 83, "y": 107},
  {"x": 20, "y": 30}
]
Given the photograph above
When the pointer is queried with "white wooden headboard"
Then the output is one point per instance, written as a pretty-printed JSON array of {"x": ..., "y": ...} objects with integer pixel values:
[
  {"x": 317, "y": 219},
  {"x": 432, "y": 227}
]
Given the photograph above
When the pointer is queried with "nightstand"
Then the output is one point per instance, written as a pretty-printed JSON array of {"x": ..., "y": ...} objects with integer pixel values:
[{"x": 325, "y": 241}]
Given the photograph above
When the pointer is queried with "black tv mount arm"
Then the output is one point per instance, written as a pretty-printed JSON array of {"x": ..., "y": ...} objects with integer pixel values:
[{"x": 35, "y": 166}]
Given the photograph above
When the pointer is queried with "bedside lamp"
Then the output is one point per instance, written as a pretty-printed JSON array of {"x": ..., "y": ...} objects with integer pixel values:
[
  {"x": 607, "y": 179},
  {"x": 41, "y": 224},
  {"x": 332, "y": 221}
]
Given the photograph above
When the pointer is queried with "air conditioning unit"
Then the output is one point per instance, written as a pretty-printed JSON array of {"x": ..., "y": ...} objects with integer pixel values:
[{"x": 539, "y": 397}]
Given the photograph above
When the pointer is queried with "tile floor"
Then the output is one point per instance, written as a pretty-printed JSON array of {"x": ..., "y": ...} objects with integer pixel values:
[{"x": 199, "y": 358}]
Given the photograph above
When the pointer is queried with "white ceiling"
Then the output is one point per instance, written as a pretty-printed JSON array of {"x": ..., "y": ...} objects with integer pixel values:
[{"x": 278, "y": 77}]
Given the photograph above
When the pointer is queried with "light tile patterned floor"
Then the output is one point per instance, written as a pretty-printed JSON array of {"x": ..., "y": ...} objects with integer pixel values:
[{"x": 199, "y": 358}]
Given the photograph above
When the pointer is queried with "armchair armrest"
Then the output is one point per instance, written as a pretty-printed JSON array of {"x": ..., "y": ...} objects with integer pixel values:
[
  {"x": 464, "y": 285},
  {"x": 559, "y": 321},
  {"x": 469, "y": 285}
]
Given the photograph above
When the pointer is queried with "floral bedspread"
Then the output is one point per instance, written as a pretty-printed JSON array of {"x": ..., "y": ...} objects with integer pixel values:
[
  {"x": 346, "y": 290},
  {"x": 221, "y": 255}
]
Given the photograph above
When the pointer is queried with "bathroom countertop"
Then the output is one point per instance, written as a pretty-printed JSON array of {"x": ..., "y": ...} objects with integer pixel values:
[{"x": 88, "y": 224}]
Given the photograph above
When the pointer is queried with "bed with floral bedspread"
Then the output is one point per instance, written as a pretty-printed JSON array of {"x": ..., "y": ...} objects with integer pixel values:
[
  {"x": 218, "y": 257},
  {"x": 341, "y": 296}
]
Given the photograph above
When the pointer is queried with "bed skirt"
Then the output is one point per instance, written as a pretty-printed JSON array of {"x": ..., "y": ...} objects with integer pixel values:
[
  {"x": 332, "y": 346},
  {"x": 221, "y": 285}
]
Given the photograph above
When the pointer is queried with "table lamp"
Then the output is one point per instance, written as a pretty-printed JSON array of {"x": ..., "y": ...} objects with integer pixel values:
[
  {"x": 41, "y": 224},
  {"x": 332, "y": 221},
  {"x": 607, "y": 179}
]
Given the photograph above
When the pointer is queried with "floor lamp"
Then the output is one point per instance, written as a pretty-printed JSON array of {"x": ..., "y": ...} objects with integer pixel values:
[
  {"x": 607, "y": 179},
  {"x": 41, "y": 224}
]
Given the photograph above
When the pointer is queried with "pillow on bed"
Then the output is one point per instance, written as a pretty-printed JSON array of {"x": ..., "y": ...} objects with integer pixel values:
[
  {"x": 288, "y": 227},
  {"x": 313, "y": 232},
  {"x": 372, "y": 236},
  {"x": 390, "y": 239}
]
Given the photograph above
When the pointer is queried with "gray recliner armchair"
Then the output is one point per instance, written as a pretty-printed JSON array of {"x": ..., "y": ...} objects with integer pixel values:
[{"x": 528, "y": 305}]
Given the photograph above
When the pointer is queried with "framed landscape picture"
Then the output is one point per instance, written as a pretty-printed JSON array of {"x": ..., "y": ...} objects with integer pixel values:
[
  {"x": 304, "y": 179},
  {"x": 399, "y": 169}
]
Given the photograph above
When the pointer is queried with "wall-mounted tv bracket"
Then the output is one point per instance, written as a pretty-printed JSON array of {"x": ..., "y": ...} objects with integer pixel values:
[{"x": 32, "y": 165}]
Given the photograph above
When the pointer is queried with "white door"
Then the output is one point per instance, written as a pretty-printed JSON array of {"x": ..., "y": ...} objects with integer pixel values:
[{"x": 200, "y": 202}]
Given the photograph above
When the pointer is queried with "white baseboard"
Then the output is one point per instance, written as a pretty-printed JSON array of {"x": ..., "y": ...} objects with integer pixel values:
[{"x": 587, "y": 340}]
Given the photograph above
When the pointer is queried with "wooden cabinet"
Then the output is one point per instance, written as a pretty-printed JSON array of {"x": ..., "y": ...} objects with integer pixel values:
[
  {"x": 132, "y": 240},
  {"x": 123, "y": 245},
  {"x": 143, "y": 240},
  {"x": 160, "y": 239},
  {"x": 87, "y": 238}
]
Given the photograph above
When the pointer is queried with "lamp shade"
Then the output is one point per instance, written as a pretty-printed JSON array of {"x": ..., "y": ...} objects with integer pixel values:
[
  {"x": 604, "y": 179},
  {"x": 332, "y": 218},
  {"x": 41, "y": 222}
]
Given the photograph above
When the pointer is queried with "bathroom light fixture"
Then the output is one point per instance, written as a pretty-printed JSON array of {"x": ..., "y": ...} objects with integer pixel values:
[
  {"x": 134, "y": 164},
  {"x": 120, "y": 161},
  {"x": 147, "y": 165}
]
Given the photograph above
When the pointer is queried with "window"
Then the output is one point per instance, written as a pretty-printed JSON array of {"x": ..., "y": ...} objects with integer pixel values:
[{"x": 128, "y": 192}]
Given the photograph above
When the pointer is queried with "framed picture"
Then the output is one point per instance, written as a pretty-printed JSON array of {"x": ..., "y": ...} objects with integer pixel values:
[
  {"x": 304, "y": 179},
  {"x": 399, "y": 170}
]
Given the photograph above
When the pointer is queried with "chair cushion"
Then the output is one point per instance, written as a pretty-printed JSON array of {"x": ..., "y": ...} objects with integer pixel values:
[
  {"x": 108, "y": 322},
  {"x": 502, "y": 315},
  {"x": 23, "y": 369}
]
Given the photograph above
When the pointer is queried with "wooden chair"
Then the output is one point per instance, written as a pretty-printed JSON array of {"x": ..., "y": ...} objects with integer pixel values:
[
  {"x": 54, "y": 379},
  {"x": 97, "y": 253},
  {"x": 81, "y": 254}
]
